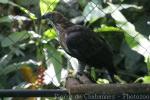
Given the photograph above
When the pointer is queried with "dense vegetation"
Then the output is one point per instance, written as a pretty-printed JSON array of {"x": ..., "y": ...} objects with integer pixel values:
[{"x": 30, "y": 55}]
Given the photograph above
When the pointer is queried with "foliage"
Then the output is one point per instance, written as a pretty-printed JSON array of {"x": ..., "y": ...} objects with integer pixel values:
[
  {"x": 47, "y": 5},
  {"x": 26, "y": 41}
]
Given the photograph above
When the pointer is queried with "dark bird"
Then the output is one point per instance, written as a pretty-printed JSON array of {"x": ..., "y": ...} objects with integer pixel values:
[{"x": 82, "y": 43}]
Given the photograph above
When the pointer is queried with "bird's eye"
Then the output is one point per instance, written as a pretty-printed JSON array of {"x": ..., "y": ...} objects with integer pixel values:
[{"x": 51, "y": 17}]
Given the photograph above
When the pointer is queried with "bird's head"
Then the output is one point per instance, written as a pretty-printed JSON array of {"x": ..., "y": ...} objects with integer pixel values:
[
  {"x": 57, "y": 20},
  {"x": 55, "y": 17}
]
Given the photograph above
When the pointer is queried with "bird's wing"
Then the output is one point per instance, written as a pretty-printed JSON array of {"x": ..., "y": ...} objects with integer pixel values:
[
  {"x": 82, "y": 42},
  {"x": 63, "y": 45}
]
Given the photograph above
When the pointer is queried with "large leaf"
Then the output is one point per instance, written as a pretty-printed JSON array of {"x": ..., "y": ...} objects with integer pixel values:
[
  {"x": 72, "y": 62},
  {"x": 130, "y": 40},
  {"x": 146, "y": 79},
  {"x": 134, "y": 62},
  {"x": 47, "y": 5},
  {"x": 5, "y": 19},
  {"x": 54, "y": 64},
  {"x": 15, "y": 37},
  {"x": 50, "y": 33},
  {"x": 129, "y": 28},
  {"x": 94, "y": 10},
  {"x": 124, "y": 57}
]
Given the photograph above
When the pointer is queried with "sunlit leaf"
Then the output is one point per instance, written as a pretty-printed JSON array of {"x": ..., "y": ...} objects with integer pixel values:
[
  {"x": 92, "y": 12},
  {"x": 102, "y": 81},
  {"x": 146, "y": 79},
  {"x": 130, "y": 29},
  {"x": 73, "y": 62},
  {"x": 54, "y": 62},
  {"x": 47, "y": 5},
  {"x": 108, "y": 29},
  {"x": 130, "y": 40},
  {"x": 50, "y": 33}
]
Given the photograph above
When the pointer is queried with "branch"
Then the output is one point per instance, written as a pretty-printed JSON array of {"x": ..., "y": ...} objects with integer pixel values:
[
  {"x": 110, "y": 88},
  {"x": 75, "y": 86}
]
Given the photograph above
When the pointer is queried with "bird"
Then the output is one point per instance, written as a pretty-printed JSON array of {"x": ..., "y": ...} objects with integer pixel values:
[{"x": 81, "y": 42}]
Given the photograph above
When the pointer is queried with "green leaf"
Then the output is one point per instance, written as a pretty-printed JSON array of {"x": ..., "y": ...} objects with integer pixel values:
[
  {"x": 47, "y": 5},
  {"x": 122, "y": 22},
  {"x": 15, "y": 37},
  {"x": 130, "y": 40},
  {"x": 4, "y": 1},
  {"x": 93, "y": 73},
  {"x": 133, "y": 61},
  {"x": 130, "y": 29},
  {"x": 102, "y": 81},
  {"x": 146, "y": 79},
  {"x": 5, "y": 60},
  {"x": 97, "y": 2},
  {"x": 114, "y": 35},
  {"x": 130, "y": 60},
  {"x": 50, "y": 33},
  {"x": 54, "y": 57},
  {"x": 92, "y": 12},
  {"x": 31, "y": 15},
  {"x": 82, "y": 2},
  {"x": 5, "y": 19},
  {"x": 108, "y": 29},
  {"x": 148, "y": 64},
  {"x": 39, "y": 54}
]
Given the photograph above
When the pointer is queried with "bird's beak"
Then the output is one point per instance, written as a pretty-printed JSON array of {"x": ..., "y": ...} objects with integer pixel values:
[
  {"x": 43, "y": 17},
  {"x": 46, "y": 16}
]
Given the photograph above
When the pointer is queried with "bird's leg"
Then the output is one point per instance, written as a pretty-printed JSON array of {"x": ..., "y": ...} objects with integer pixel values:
[
  {"x": 81, "y": 76},
  {"x": 81, "y": 68},
  {"x": 106, "y": 74},
  {"x": 111, "y": 71},
  {"x": 109, "y": 76}
]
